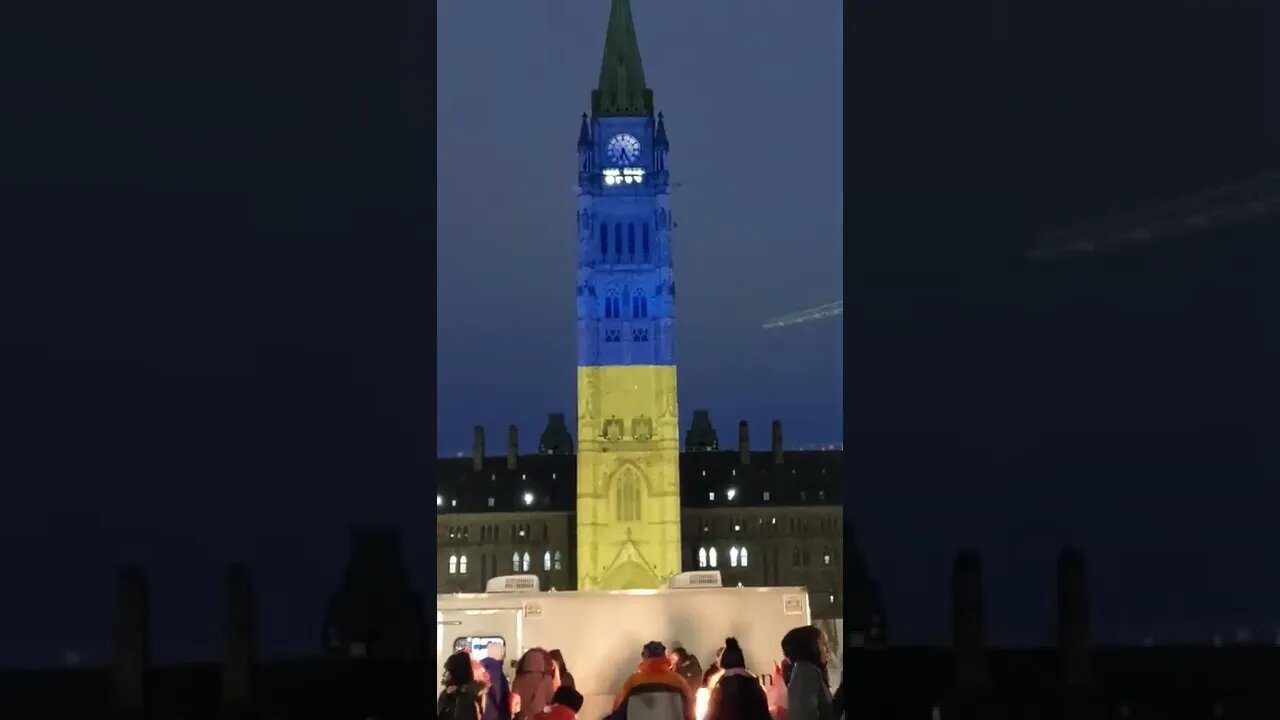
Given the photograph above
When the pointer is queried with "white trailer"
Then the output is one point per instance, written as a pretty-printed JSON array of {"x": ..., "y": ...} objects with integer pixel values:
[{"x": 601, "y": 633}]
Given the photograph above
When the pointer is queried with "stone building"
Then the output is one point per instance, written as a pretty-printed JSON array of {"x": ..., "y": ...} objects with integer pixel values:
[{"x": 760, "y": 517}]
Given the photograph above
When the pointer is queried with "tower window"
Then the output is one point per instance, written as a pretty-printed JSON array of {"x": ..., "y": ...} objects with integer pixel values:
[
  {"x": 604, "y": 239},
  {"x": 453, "y": 564},
  {"x": 515, "y": 562},
  {"x": 627, "y": 497},
  {"x": 644, "y": 240},
  {"x": 631, "y": 240},
  {"x": 525, "y": 562},
  {"x": 612, "y": 336},
  {"x": 702, "y": 557},
  {"x": 639, "y": 305},
  {"x": 546, "y": 561},
  {"x": 462, "y": 565},
  {"x": 617, "y": 239},
  {"x": 639, "y": 334},
  {"x": 711, "y": 557},
  {"x": 612, "y": 304},
  {"x": 557, "y": 560},
  {"x": 733, "y": 556},
  {"x": 742, "y": 557}
]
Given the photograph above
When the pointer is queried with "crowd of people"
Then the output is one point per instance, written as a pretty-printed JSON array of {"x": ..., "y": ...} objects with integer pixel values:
[{"x": 667, "y": 685}]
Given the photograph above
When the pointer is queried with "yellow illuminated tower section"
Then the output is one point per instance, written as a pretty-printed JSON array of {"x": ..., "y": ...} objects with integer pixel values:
[{"x": 628, "y": 511}]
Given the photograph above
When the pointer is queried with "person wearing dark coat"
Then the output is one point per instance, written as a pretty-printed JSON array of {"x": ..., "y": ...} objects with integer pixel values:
[
  {"x": 687, "y": 666},
  {"x": 497, "y": 700},
  {"x": 738, "y": 694},
  {"x": 566, "y": 677},
  {"x": 463, "y": 695}
]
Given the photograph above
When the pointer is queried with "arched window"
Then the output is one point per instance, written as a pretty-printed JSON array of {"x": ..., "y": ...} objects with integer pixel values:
[
  {"x": 631, "y": 240},
  {"x": 453, "y": 564},
  {"x": 639, "y": 305},
  {"x": 546, "y": 561},
  {"x": 604, "y": 239},
  {"x": 711, "y": 557},
  {"x": 462, "y": 565},
  {"x": 612, "y": 304},
  {"x": 515, "y": 562},
  {"x": 742, "y": 557},
  {"x": 795, "y": 557},
  {"x": 557, "y": 561},
  {"x": 702, "y": 557},
  {"x": 733, "y": 556},
  {"x": 626, "y": 496},
  {"x": 617, "y": 239},
  {"x": 525, "y": 562},
  {"x": 644, "y": 240}
]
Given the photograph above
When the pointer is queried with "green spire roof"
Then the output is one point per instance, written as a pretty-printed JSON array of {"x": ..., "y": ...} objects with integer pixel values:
[{"x": 622, "y": 90}]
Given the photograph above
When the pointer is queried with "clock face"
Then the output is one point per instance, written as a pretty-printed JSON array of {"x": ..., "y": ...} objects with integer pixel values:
[{"x": 623, "y": 149}]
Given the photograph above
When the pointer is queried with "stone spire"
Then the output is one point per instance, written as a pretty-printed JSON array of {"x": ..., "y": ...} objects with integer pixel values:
[
  {"x": 132, "y": 643},
  {"x": 622, "y": 90},
  {"x": 238, "y": 640},
  {"x": 968, "y": 624}
]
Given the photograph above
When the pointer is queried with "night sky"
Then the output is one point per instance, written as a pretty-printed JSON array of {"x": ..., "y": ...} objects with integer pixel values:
[
  {"x": 216, "y": 292},
  {"x": 753, "y": 98}
]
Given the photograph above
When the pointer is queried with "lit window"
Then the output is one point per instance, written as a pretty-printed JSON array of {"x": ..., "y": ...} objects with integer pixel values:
[
  {"x": 639, "y": 305},
  {"x": 711, "y": 557},
  {"x": 733, "y": 556},
  {"x": 546, "y": 561},
  {"x": 439, "y": 501},
  {"x": 515, "y": 562},
  {"x": 736, "y": 527},
  {"x": 831, "y": 598},
  {"x": 612, "y": 304},
  {"x": 525, "y": 562},
  {"x": 462, "y": 565},
  {"x": 742, "y": 558},
  {"x": 453, "y": 564},
  {"x": 765, "y": 495},
  {"x": 702, "y": 557},
  {"x": 528, "y": 498},
  {"x": 773, "y": 521},
  {"x": 730, "y": 493},
  {"x": 490, "y": 502},
  {"x": 826, "y": 557},
  {"x": 557, "y": 561},
  {"x": 711, "y": 496},
  {"x": 453, "y": 503}
]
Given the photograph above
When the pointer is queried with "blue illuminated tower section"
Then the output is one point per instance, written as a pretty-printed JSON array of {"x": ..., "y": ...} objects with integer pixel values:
[{"x": 628, "y": 510}]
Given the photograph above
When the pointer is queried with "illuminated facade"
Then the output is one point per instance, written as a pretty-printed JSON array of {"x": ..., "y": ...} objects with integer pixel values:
[{"x": 628, "y": 470}]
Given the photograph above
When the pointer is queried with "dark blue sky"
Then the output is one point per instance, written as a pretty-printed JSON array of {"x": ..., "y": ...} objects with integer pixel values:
[{"x": 753, "y": 97}]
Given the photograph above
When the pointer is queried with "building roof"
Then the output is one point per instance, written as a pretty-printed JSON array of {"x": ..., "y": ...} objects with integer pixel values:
[
  {"x": 622, "y": 90},
  {"x": 708, "y": 479}
]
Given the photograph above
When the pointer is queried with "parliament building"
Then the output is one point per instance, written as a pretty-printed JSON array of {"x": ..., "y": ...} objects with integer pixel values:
[
  {"x": 627, "y": 507},
  {"x": 761, "y": 518}
]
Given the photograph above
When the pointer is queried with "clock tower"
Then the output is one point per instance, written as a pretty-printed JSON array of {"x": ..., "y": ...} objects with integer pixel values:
[{"x": 628, "y": 506}]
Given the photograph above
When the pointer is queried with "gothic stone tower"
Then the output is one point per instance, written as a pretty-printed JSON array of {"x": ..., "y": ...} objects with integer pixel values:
[{"x": 628, "y": 425}]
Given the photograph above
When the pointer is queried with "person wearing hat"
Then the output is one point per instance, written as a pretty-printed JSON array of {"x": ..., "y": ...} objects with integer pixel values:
[
  {"x": 737, "y": 694},
  {"x": 654, "y": 691}
]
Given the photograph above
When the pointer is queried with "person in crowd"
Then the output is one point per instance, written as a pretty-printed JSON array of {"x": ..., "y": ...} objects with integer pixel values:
[
  {"x": 838, "y": 699},
  {"x": 654, "y": 691},
  {"x": 808, "y": 685},
  {"x": 497, "y": 700},
  {"x": 712, "y": 672},
  {"x": 534, "y": 683},
  {"x": 562, "y": 670},
  {"x": 777, "y": 692},
  {"x": 565, "y": 705},
  {"x": 463, "y": 695},
  {"x": 737, "y": 695},
  {"x": 686, "y": 666}
]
